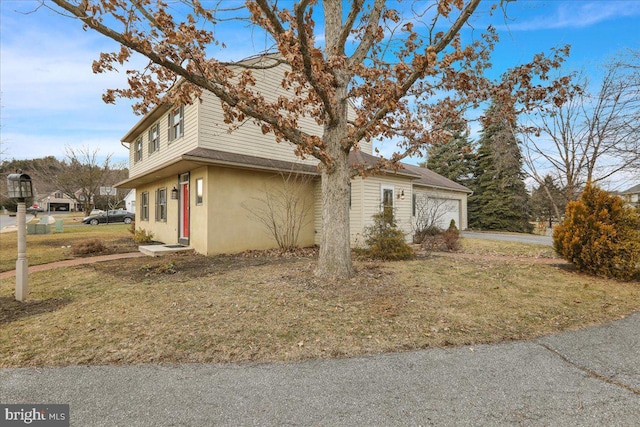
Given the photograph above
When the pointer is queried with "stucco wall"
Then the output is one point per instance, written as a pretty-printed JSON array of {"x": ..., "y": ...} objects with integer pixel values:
[
  {"x": 223, "y": 222},
  {"x": 233, "y": 194},
  {"x": 199, "y": 213},
  {"x": 163, "y": 231}
]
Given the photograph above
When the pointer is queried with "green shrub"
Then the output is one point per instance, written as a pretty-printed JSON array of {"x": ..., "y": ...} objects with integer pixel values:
[
  {"x": 600, "y": 235},
  {"x": 140, "y": 236},
  {"x": 385, "y": 241}
]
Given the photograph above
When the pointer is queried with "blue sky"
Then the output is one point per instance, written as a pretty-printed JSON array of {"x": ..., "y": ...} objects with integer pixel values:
[{"x": 50, "y": 98}]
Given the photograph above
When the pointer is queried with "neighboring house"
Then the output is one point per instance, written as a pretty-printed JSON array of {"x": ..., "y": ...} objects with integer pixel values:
[
  {"x": 55, "y": 202},
  {"x": 130, "y": 201},
  {"x": 82, "y": 201},
  {"x": 631, "y": 196},
  {"x": 195, "y": 181}
]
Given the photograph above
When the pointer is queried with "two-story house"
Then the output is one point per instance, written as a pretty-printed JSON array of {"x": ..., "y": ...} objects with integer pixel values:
[
  {"x": 194, "y": 179},
  {"x": 632, "y": 196}
]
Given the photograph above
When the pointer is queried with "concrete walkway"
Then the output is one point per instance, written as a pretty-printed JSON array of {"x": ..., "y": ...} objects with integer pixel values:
[{"x": 584, "y": 378}]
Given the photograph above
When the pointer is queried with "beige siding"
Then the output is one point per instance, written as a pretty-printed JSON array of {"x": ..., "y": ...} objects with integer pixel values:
[
  {"x": 247, "y": 138},
  {"x": 366, "y": 199},
  {"x": 204, "y": 127},
  {"x": 372, "y": 199},
  {"x": 356, "y": 213},
  {"x": 222, "y": 224},
  {"x": 168, "y": 150}
]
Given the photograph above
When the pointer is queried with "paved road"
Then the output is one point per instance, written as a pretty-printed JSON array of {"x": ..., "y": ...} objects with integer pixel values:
[
  {"x": 584, "y": 378},
  {"x": 7, "y": 220},
  {"x": 520, "y": 237}
]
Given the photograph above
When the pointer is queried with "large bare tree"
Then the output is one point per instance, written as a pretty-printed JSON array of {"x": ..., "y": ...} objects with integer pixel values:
[
  {"x": 81, "y": 176},
  {"x": 591, "y": 137},
  {"x": 406, "y": 68}
]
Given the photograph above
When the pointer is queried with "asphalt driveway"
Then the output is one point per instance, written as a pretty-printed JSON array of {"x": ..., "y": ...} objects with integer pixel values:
[
  {"x": 510, "y": 237},
  {"x": 584, "y": 378}
]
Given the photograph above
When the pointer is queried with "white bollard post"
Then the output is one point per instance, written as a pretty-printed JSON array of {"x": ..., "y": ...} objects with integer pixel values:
[{"x": 22, "y": 266}]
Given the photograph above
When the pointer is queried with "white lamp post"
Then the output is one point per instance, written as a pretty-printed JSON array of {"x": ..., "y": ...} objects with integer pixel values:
[{"x": 19, "y": 187}]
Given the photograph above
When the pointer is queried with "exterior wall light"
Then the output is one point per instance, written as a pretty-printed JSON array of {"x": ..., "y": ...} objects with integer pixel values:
[{"x": 174, "y": 193}]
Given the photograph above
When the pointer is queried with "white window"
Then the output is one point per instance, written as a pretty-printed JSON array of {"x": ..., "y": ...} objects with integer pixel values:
[
  {"x": 137, "y": 148},
  {"x": 199, "y": 191},
  {"x": 154, "y": 138},
  {"x": 176, "y": 123},
  {"x": 413, "y": 204}
]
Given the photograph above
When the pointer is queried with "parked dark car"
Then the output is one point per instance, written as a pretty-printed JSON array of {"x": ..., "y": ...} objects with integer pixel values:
[{"x": 109, "y": 217}]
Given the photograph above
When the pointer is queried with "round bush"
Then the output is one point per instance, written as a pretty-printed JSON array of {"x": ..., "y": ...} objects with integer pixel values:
[{"x": 600, "y": 235}]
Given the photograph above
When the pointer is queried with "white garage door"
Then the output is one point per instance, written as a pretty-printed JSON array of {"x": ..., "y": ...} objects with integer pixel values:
[{"x": 448, "y": 210}]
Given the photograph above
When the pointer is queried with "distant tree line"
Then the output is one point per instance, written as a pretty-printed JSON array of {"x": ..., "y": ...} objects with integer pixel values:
[{"x": 79, "y": 176}]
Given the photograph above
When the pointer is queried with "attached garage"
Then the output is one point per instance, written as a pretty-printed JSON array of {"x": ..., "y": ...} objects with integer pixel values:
[
  {"x": 441, "y": 199},
  {"x": 450, "y": 211},
  {"x": 55, "y": 207}
]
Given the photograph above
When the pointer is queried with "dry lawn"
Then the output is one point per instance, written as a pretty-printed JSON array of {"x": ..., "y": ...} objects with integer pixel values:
[
  {"x": 46, "y": 248},
  {"x": 190, "y": 308}
]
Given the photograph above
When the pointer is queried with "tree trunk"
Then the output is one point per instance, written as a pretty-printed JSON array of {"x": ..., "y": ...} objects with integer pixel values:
[
  {"x": 553, "y": 203},
  {"x": 335, "y": 240}
]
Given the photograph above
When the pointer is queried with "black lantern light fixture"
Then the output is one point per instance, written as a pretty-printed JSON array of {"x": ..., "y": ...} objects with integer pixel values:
[
  {"x": 401, "y": 195},
  {"x": 19, "y": 186},
  {"x": 174, "y": 193}
]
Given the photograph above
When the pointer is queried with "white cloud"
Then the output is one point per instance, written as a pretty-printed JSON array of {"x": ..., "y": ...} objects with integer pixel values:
[
  {"x": 50, "y": 96},
  {"x": 578, "y": 14}
]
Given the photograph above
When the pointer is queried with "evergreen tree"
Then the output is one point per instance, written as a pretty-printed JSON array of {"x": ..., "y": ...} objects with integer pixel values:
[
  {"x": 454, "y": 159},
  {"x": 500, "y": 199},
  {"x": 547, "y": 201}
]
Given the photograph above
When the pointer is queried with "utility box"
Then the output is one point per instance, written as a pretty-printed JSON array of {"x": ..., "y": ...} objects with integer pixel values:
[
  {"x": 58, "y": 226},
  {"x": 38, "y": 229}
]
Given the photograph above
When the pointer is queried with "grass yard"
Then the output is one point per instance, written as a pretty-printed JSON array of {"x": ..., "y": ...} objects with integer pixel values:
[
  {"x": 254, "y": 307},
  {"x": 46, "y": 248}
]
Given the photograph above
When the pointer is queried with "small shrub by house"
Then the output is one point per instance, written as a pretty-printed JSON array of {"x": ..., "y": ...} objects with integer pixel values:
[{"x": 385, "y": 240}]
